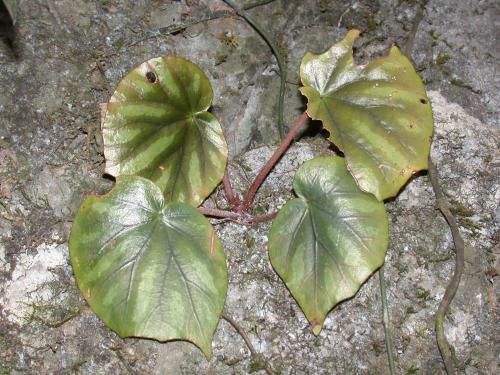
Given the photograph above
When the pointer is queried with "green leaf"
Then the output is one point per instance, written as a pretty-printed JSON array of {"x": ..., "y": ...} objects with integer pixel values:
[
  {"x": 156, "y": 126},
  {"x": 146, "y": 269},
  {"x": 378, "y": 115},
  {"x": 325, "y": 243},
  {"x": 11, "y": 6}
]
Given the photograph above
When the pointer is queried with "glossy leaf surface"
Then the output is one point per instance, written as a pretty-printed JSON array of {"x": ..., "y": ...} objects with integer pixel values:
[
  {"x": 378, "y": 114},
  {"x": 146, "y": 269},
  {"x": 156, "y": 126},
  {"x": 325, "y": 243}
]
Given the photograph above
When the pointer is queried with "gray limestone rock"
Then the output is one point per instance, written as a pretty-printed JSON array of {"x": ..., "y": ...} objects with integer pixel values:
[{"x": 71, "y": 54}]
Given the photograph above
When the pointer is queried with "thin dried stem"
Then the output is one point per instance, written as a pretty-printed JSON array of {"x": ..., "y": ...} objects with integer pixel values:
[
  {"x": 177, "y": 27},
  {"x": 451, "y": 289},
  {"x": 240, "y": 10},
  {"x": 385, "y": 319},
  {"x": 248, "y": 342}
]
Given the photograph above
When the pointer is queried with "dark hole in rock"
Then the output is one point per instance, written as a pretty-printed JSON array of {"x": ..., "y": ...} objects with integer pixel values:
[{"x": 423, "y": 101}]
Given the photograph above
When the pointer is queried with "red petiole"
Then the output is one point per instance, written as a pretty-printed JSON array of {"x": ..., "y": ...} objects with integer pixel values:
[
  {"x": 239, "y": 213},
  {"x": 240, "y": 217},
  {"x": 232, "y": 198},
  {"x": 252, "y": 190}
]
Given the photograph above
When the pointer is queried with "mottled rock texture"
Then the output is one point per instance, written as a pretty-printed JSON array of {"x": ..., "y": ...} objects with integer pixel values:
[{"x": 68, "y": 57}]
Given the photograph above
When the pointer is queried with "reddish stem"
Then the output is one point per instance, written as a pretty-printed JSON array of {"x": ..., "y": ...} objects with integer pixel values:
[
  {"x": 213, "y": 212},
  {"x": 263, "y": 218},
  {"x": 228, "y": 189},
  {"x": 252, "y": 190},
  {"x": 236, "y": 216}
]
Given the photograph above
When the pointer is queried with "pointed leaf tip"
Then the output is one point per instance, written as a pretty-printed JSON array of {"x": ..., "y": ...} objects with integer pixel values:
[
  {"x": 149, "y": 269},
  {"x": 317, "y": 329},
  {"x": 328, "y": 241}
]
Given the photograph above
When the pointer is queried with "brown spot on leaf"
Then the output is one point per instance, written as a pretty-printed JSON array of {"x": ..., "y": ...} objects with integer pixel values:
[{"x": 151, "y": 77}]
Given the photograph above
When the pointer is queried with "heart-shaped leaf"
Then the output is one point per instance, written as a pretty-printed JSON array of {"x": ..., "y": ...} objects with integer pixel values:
[
  {"x": 156, "y": 126},
  {"x": 146, "y": 269},
  {"x": 325, "y": 243},
  {"x": 378, "y": 114}
]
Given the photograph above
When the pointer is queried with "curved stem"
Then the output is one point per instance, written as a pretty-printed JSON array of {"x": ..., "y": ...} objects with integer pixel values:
[
  {"x": 385, "y": 319},
  {"x": 248, "y": 342},
  {"x": 410, "y": 40},
  {"x": 177, "y": 27},
  {"x": 252, "y": 190},
  {"x": 281, "y": 64},
  {"x": 451, "y": 289}
]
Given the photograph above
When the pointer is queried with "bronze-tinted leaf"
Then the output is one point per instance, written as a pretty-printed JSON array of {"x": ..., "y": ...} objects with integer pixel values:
[
  {"x": 157, "y": 126},
  {"x": 325, "y": 243},
  {"x": 149, "y": 269},
  {"x": 378, "y": 114}
]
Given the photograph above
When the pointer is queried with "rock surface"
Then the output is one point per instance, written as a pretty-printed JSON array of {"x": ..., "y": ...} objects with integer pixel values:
[{"x": 70, "y": 56}]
